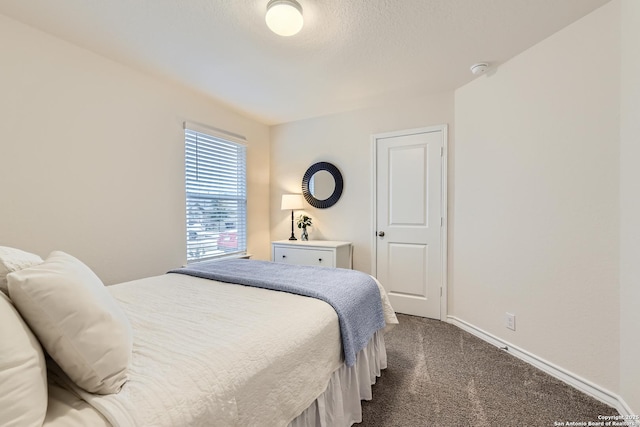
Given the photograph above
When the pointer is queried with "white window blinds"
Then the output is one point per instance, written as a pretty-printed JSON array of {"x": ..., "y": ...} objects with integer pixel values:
[{"x": 216, "y": 187}]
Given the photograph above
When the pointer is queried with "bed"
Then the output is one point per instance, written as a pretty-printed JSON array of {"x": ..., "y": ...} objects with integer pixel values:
[{"x": 202, "y": 353}]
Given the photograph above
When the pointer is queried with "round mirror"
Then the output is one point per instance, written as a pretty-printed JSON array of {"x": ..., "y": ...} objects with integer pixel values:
[{"x": 322, "y": 185}]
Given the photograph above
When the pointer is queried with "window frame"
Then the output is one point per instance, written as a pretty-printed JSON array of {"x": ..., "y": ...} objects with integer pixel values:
[{"x": 214, "y": 194}]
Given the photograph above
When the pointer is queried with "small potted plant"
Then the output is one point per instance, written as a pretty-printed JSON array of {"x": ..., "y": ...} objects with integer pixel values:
[{"x": 304, "y": 222}]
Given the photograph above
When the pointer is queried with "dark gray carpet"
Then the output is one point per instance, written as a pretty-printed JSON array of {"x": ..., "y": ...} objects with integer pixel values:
[{"x": 440, "y": 375}]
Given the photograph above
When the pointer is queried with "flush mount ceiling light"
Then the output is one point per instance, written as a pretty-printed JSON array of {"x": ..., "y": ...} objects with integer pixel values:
[{"x": 284, "y": 17}]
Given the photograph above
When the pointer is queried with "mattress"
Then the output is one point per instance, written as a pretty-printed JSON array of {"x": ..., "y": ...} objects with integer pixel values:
[
  {"x": 337, "y": 406},
  {"x": 211, "y": 353}
]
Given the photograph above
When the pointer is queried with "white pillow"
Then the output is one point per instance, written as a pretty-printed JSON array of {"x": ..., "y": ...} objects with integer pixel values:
[
  {"x": 13, "y": 260},
  {"x": 23, "y": 373},
  {"x": 78, "y": 322}
]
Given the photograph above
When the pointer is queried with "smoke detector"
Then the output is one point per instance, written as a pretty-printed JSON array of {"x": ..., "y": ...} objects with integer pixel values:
[{"x": 479, "y": 68}]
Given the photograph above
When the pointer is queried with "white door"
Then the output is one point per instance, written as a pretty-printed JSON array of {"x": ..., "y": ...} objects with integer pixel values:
[{"x": 409, "y": 245}]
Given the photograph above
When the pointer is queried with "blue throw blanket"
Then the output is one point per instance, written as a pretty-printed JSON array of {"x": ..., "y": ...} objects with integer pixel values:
[{"x": 354, "y": 295}]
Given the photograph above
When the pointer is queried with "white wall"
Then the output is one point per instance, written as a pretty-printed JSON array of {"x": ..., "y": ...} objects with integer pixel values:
[
  {"x": 630, "y": 207},
  {"x": 537, "y": 200},
  {"x": 344, "y": 140},
  {"x": 92, "y": 162}
]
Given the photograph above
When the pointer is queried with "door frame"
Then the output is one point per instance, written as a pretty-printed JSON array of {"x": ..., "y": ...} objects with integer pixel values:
[{"x": 443, "y": 202}]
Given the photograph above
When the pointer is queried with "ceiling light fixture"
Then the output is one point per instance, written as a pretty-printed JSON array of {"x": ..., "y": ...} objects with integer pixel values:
[{"x": 284, "y": 17}]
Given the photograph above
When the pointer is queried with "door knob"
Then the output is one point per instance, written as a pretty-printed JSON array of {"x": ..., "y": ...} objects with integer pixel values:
[{"x": 381, "y": 233}]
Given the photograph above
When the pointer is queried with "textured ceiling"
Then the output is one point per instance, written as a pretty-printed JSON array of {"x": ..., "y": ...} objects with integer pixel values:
[{"x": 350, "y": 54}]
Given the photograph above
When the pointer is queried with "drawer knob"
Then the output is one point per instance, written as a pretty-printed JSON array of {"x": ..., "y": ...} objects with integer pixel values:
[
  {"x": 284, "y": 256},
  {"x": 320, "y": 259}
]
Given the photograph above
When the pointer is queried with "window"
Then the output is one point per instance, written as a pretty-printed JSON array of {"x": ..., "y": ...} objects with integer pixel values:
[{"x": 216, "y": 187}]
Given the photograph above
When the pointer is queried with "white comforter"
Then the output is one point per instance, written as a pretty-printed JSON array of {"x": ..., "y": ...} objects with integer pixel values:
[{"x": 215, "y": 354}]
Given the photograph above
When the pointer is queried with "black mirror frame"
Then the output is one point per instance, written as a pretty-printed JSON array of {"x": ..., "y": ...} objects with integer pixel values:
[{"x": 337, "y": 191}]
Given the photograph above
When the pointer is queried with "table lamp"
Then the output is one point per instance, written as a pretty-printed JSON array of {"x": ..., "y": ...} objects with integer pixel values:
[{"x": 291, "y": 201}]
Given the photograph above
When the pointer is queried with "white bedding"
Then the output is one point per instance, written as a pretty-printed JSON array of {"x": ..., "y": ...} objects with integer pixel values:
[
  {"x": 65, "y": 409},
  {"x": 248, "y": 367}
]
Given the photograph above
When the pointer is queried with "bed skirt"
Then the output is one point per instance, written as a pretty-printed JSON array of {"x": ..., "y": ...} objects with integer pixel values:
[{"x": 339, "y": 405}]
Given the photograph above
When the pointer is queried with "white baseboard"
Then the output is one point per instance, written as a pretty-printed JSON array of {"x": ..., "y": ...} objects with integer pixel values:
[{"x": 569, "y": 378}]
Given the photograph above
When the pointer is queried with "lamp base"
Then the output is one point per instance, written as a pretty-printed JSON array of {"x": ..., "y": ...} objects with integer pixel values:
[{"x": 293, "y": 236}]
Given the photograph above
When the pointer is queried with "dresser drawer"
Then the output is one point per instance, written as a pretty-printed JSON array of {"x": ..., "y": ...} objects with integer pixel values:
[
  {"x": 325, "y": 253},
  {"x": 303, "y": 256}
]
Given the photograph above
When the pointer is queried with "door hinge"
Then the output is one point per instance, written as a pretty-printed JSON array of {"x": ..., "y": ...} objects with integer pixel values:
[
  {"x": 441, "y": 221},
  {"x": 441, "y": 291},
  {"x": 441, "y": 151}
]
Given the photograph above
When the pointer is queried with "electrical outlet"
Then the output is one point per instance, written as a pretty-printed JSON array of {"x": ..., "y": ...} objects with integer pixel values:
[{"x": 510, "y": 321}]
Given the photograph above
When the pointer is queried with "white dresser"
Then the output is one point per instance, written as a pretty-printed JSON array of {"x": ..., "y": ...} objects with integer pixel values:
[{"x": 326, "y": 253}]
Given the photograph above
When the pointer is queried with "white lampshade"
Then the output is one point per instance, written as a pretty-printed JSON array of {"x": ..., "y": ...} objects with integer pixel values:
[
  {"x": 291, "y": 202},
  {"x": 284, "y": 17}
]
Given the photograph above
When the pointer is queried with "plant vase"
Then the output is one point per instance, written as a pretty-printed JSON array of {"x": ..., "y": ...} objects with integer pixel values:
[{"x": 304, "y": 222}]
